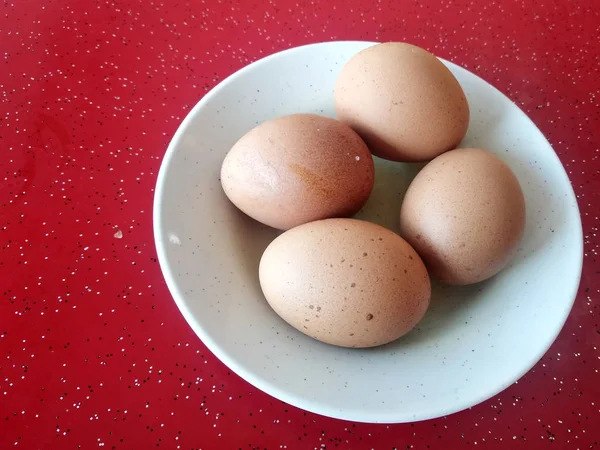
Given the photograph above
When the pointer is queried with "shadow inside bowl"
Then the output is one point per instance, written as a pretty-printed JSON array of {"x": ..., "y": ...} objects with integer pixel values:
[
  {"x": 391, "y": 182},
  {"x": 249, "y": 239},
  {"x": 449, "y": 307}
]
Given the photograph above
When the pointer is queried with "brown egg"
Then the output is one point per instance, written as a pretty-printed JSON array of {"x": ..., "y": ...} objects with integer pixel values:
[
  {"x": 403, "y": 102},
  {"x": 296, "y": 169},
  {"x": 345, "y": 282},
  {"x": 464, "y": 213}
]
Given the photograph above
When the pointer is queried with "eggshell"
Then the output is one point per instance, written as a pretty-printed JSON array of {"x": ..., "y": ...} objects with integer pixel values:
[
  {"x": 345, "y": 282},
  {"x": 298, "y": 168},
  {"x": 403, "y": 101},
  {"x": 464, "y": 213}
]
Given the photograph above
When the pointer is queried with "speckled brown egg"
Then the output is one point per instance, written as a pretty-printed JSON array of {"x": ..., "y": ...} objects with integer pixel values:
[
  {"x": 464, "y": 213},
  {"x": 298, "y": 168},
  {"x": 345, "y": 282},
  {"x": 403, "y": 101}
]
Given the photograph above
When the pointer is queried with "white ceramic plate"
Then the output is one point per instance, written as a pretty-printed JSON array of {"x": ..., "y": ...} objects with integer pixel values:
[{"x": 473, "y": 342}]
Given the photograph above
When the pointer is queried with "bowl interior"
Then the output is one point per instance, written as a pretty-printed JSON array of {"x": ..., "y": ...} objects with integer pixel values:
[{"x": 473, "y": 342}]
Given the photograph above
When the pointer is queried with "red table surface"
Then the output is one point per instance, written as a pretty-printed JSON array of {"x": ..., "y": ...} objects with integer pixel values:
[{"x": 93, "y": 351}]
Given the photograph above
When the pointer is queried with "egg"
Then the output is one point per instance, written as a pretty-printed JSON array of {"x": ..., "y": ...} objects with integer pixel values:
[
  {"x": 298, "y": 168},
  {"x": 403, "y": 101},
  {"x": 464, "y": 213},
  {"x": 345, "y": 282}
]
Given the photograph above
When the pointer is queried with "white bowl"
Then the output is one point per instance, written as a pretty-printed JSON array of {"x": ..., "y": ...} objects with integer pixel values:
[{"x": 474, "y": 341}]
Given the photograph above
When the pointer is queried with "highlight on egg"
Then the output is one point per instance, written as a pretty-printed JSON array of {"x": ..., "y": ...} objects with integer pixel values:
[
  {"x": 403, "y": 101},
  {"x": 345, "y": 282},
  {"x": 298, "y": 168}
]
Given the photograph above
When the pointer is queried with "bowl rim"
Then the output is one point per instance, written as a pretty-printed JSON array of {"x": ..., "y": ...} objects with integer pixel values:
[{"x": 356, "y": 415}]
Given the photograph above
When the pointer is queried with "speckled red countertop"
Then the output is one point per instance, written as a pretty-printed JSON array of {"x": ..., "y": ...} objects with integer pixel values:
[{"x": 93, "y": 351}]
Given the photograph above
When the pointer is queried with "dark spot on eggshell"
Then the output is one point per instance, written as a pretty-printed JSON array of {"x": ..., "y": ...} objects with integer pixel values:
[{"x": 340, "y": 300}]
